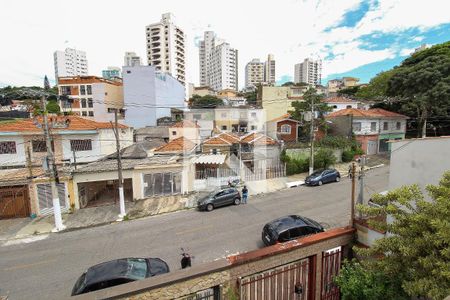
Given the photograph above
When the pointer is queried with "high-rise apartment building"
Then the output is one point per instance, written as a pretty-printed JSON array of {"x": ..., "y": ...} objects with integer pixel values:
[
  {"x": 131, "y": 59},
  {"x": 309, "y": 71},
  {"x": 218, "y": 63},
  {"x": 254, "y": 73},
  {"x": 257, "y": 72},
  {"x": 166, "y": 47},
  {"x": 70, "y": 62},
  {"x": 269, "y": 70}
]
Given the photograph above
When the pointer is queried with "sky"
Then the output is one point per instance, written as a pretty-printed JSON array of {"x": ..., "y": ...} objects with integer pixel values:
[{"x": 353, "y": 38}]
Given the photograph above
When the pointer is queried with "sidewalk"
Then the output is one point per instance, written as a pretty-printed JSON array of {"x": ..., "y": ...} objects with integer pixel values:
[{"x": 94, "y": 216}]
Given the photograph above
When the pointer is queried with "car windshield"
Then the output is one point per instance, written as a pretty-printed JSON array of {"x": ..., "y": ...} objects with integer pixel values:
[
  {"x": 317, "y": 173},
  {"x": 137, "y": 268}
]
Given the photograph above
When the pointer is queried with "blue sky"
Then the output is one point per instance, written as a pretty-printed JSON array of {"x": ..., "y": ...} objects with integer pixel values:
[{"x": 352, "y": 37}]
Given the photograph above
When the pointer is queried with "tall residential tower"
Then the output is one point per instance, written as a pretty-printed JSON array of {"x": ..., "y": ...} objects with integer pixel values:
[
  {"x": 166, "y": 47},
  {"x": 218, "y": 63},
  {"x": 71, "y": 62},
  {"x": 257, "y": 72},
  {"x": 309, "y": 71}
]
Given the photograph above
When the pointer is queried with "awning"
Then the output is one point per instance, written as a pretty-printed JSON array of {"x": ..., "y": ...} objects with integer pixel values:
[{"x": 216, "y": 159}]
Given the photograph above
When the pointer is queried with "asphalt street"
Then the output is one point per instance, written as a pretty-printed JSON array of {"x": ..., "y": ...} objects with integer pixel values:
[{"x": 48, "y": 268}]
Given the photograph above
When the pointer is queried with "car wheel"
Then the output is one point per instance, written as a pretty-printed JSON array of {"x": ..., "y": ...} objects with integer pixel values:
[
  {"x": 338, "y": 179},
  {"x": 320, "y": 182},
  {"x": 209, "y": 207},
  {"x": 237, "y": 201}
]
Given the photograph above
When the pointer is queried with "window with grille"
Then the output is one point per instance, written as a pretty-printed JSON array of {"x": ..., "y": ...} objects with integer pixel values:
[
  {"x": 373, "y": 126},
  {"x": 80, "y": 145},
  {"x": 161, "y": 184},
  {"x": 90, "y": 102},
  {"x": 8, "y": 148},
  {"x": 83, "y": 103},
  {"x": 357, "y": 126},
  {"x": 84, "y": 113},
  {"x": 385, "y": 126},
  {"x": 82, "y": 90},
  {"x": 89, "y": 89},
  {"x": 91, "y": 114},
  {"x": 39, "y": 146}
]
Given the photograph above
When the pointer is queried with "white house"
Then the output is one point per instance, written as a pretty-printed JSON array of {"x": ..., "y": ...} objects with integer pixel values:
[{"x": 338, "y": 103}]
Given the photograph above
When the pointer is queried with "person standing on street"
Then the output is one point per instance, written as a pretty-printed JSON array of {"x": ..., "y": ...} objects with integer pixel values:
[{"x": 244, "y": 194}]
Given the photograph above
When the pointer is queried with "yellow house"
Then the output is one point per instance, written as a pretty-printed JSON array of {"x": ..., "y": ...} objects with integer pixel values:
[{"x": 277, "y": 100}]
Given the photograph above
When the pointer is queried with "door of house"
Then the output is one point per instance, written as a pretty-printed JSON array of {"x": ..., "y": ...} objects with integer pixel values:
[
  {"x": 371, "y": 147},
  {"x": 44, "y": 192},
  {"x": 331, "y": 265},
  {"x": 14, "y": 202},
  {"x": 291, "y": 281}
]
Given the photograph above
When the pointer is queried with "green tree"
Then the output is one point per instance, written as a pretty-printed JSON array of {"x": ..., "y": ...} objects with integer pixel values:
[
  {"x": 358, "y": 283},
  {"x": 349, "y": 91},
  {"x": 416, "y": 249},
  {"x": 302, "y": 107},
  {"x": 251, "y": 96},
  {"x": 288, "y": 83},
  {"x": 207, "y": 101},
  {"x": 422, "y": 84},
  {"x": 324, "y": 158},
  {"x": 53, "y": 107},
  {"x": 377, "y": 87}
]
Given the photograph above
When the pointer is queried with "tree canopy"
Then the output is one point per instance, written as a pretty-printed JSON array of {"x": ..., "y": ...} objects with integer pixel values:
[
  {"x": 416, "y": 248},
  {"x": 207, "y": 101}
]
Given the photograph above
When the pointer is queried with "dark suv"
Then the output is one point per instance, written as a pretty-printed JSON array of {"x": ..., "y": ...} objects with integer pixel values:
[
  {"x": 218, "y": 198},
  {"x": 289, "y": 228}
]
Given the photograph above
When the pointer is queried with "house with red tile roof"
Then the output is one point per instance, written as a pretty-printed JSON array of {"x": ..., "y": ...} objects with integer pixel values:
[
  {"x": 373, "y": 128},
  {"x": 179, "y": 145},
  {"x": 85, "y": 139},
  {"x": 338, "y": 103},
  {"x": 283, "y": 128}
]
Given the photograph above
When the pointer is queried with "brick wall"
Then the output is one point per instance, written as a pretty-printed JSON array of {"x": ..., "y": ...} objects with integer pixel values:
[{"x": 291, "y": 137}]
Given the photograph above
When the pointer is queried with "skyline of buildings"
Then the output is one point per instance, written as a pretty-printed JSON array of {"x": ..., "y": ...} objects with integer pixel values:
[
  {"x": 70, "y": 62},
  {"x": 166, "y": 47}
]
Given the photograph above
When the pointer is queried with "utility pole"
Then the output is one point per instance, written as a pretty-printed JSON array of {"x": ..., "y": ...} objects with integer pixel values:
[
  {"x": 52, "y": 167},
  {"x": 352, "y": 214},
  {"x": 119, "y": 167},
  {"x": 30, "y": 167},
  {"x": 311, "y": 137},
  {"x": 361, "y": 181}
]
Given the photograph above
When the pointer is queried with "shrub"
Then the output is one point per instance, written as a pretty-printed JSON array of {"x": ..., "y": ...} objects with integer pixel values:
[
  {"x": 296, "y": 166},
  {"x": 347, "y": 155},
  {"x": 324, "y": 158},
  {"x": 335, "y": 142}
]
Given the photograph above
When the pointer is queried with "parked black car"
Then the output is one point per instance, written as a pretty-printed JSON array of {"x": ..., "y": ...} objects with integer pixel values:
[
  {"x": 221, "y": 197},
  {"x": 118, "y": 271},
  {"x": 322, "y": 176},
  {"x": 289, "y": 228}
]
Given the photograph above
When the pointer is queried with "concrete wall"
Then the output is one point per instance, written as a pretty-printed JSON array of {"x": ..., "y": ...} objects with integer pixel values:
[
  {"x": 108, "y": 140},
  {"x": 106, "y": 96},
  {"x": 423, "y": 160},
  {"x": 226, "y": 272}
]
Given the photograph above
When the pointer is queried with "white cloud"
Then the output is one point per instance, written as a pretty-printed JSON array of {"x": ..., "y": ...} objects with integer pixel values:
[{"x": 290, "y": 29}]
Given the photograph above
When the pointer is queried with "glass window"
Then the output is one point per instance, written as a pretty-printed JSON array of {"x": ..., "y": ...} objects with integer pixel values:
[
  {"x": 89, "y": 89},
  {"x": 176, "y": 183},
  {"x": 224, "y": 127},
  {"x": 158, "y": 184},
  {"x": 137, "y": 268},
  {"x": 80, "y": 145},
  {"x": 8, "y": 148},
  {"x": 167, "y": 183},
  {"x": 373, "y": 126},
  {"x": 174, "y": 133},
  {"x": 39, "y": 146},
  {"x": 84, "y": 113},
  {"x": 398, "y": 125},
  {"x": 385, "y": 125},
  {"x": 357, "y": 126},
  {"x": 91, "y": 114},
  {"x": 90, "y": 102},
  {"x": 148, "y": 185},
  {"x": 284, "y": 236},
  {"x": 285, "y": 128},
  {"x": 83, "y": 103},
  {"x": 82, "y": 90}
]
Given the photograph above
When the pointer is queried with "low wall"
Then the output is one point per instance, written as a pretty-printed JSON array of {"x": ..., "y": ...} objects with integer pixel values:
[
  {"x": 225, "y": 273},
  {"x": 304, "y": 153}
]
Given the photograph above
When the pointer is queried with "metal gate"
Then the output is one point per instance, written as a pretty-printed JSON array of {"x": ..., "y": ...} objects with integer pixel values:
[
  {"x": 208, "y": 294},
  {"x": 14, "y": 202},
  {"x": 289, "y": 281},
  {"x": 331, "y": 265}
]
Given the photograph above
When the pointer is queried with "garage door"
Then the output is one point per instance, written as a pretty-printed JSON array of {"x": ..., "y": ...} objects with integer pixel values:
[
  {"x": 371, "y": 147},
  {"x": 14, "y": 202},
  {"x": 45, "y": 198}
]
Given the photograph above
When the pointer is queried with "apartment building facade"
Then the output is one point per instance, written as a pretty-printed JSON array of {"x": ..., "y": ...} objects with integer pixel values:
[
  {"x": 254, "y": 73},
  {"x": 70, "y": 62},
  {"x": 269, "y": 70},
  {"x": 131, "y": 59},
  {"x": 90, "y": 97},
  {"x": 112, "y": 73},
  {"x": 218, "y": 63},
  {"x": 166, "y": 49},
  {"x": 309, "y": 71}
]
